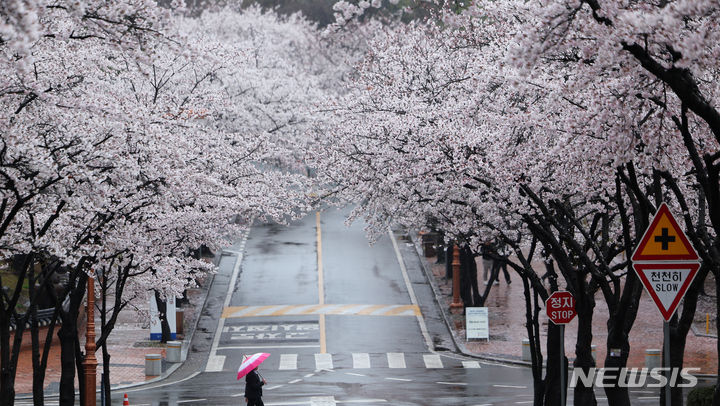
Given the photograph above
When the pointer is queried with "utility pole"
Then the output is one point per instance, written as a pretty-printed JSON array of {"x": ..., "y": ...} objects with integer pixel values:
[
  {"x": 456, "y": 303},
  {"x": 90, "y": 362}
]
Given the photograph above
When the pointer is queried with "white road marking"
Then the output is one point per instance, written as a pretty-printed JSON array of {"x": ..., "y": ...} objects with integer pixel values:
[
  {"x": 322, "y": 401},
  {"x": 511, "y": 386},
  {"x": 361, "y": 360},
  {"x": 399, "y": 379},
  {"x": 193, "y": 375},
  {"x": 354, "y": 374},
  {"x": 308, "y": 375},
  {"x": 411, "y": 292},
  {"x": 452, "y": 383},
  {"x": 501, "y": 365},
  {"x": 215, "y": 363},
  {"x": 241, "y": 347},
  {"x": 288, "y": 361},
  {"x": 295, "y": 381},
  {"x": 396, "y": 360},
  {"x": 191, "y": 400},
  {"x": 432, "y": 361},
  {"x": 471, "y": 364},
  {"x": 323, "y": 361}
]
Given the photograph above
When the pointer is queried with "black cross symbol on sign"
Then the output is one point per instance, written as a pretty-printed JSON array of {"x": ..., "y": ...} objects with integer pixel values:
[{"x": 665, "y": 239}]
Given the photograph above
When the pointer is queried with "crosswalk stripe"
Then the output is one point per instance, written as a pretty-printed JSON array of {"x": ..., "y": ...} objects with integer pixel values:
[
  {"x": 370, "y": 309},
  {"x": 344, "y": 309},
  {"x": 282, "y": 310},
  {"x": 331, "y": 309},
  {"x": 323, "y": 361},
  {"x": 216, "y": 363},
  {"x": 432, "y": 361},
  {"x": 407, "y": 310},
  {"x": 361, "y": 360},
  {"x": 288, "y": 361},
  {"x": 396, "y": 360},
  {"x": 471, "y": 364}
]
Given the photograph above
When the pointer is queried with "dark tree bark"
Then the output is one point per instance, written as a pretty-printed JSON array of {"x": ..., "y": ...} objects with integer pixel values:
[
  {"x": 468, "y": 278},
  {"x": 585, "y": 305},
  {"x": 162, "y": 314},
  {"x": 68, "y": 337},
  {"x": 716, "y": 395}
]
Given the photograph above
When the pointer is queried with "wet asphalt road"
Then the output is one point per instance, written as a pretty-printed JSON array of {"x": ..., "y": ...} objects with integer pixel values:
[{"x": 345, "y": 323}]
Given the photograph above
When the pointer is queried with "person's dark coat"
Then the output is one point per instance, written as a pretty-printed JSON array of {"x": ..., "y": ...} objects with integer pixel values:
[{"x": 253, "y": 385}]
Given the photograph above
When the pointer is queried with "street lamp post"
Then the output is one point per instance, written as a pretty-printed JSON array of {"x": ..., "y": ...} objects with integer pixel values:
[
  {"x": 90, "y": 362},
  {"x": 456, "y": 303}
]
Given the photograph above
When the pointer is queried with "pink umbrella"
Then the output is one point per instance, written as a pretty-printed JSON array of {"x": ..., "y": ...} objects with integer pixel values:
[{"x": 251, "y": 363}]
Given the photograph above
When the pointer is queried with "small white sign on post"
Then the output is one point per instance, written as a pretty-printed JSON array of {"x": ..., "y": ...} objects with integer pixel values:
[
  {"x": 155, "y": 327},
  {"x": 476, "y": 323}
]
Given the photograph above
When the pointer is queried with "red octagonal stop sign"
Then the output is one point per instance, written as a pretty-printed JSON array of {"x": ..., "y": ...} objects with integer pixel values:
[{"x": 560, "y": 307}]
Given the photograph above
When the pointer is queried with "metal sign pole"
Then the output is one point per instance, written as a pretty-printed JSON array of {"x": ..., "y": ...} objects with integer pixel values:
[
  {"x": 562, "y": 365},
  {"x": 666, "y": 331}
]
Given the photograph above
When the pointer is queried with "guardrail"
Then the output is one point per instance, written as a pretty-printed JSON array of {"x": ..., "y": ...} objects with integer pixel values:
[{"x": 44, "y": 317}]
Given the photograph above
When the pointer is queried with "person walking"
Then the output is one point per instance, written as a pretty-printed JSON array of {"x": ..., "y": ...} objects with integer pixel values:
[
  {"x": 253, "y": 388},
  {"x": 487, "y": 260},
  {"x": 504, "y": 253}
]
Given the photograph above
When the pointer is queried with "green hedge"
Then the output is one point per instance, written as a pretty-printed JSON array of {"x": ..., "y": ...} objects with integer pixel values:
[{"x": 701, "y": 396}]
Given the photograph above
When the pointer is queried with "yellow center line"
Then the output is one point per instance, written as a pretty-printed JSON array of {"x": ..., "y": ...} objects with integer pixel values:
[{"x": 321, "y": 283}]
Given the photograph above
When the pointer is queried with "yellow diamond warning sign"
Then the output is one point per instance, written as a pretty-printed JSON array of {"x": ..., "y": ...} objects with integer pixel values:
[{"x": 664, "y": 240}]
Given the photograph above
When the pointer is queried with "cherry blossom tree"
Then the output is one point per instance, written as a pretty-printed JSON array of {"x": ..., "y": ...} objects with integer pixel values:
[
  {"x": 129, "y": 140},
  {"x": 461, "y": 127}
]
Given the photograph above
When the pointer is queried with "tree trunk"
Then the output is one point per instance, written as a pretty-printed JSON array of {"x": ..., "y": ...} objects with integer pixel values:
[
  {"x": 552, "y": 375},
  {"x": 584, "y": 395},
  {"x": 38, "y": 373},
  {"x": 45, "y": 355},
  {"x": 66, "y": 334},
  {"x": 533, "y": 330},
  {"x": 79, "y": 357},
  {"x": 716, "y": 395},
  {"x": 162, "y": 315},
  {"x": 7, "y": 375},
  {"x": 106, "y": 375},
  {"x": 617, "y": 395}
]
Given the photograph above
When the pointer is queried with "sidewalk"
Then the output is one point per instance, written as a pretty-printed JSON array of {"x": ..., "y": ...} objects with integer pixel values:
[
  {"x": 128, "y": 343},
  {"x": 506, "y": 305}
]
